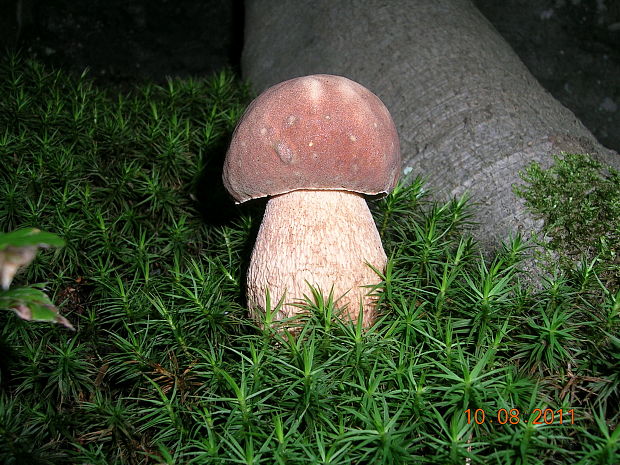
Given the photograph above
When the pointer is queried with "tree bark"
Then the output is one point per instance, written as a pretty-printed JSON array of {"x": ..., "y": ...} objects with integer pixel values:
[{"x": 468, "y": 112}]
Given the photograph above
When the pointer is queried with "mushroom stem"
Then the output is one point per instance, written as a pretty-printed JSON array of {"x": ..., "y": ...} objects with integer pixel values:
[{"x": 323, "y": 238}]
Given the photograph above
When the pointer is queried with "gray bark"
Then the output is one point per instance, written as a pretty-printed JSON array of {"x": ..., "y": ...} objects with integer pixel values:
[{"x": 468, "y": 112}]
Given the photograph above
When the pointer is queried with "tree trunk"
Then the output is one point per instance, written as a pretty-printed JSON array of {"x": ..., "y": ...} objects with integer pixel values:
[{"x": 469, "y": 113}]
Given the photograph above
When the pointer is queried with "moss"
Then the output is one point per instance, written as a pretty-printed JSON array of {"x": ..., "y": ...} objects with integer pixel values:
[
  {"x": 579, "y": 200},
  {"x": 165, "y": 365}
]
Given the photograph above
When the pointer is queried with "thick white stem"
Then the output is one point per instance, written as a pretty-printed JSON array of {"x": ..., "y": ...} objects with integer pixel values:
[{"x": 323, "y": 238}]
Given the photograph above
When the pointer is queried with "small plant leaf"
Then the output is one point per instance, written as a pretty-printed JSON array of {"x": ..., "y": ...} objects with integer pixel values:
[
  {"x": 29, "y": 237},
  {"x": 18, "y": 248},
  {"x": 32, "y": 304},
  {"x": 11, "y": 259}
]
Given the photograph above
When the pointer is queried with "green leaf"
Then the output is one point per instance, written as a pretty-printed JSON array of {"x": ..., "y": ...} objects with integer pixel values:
[
  {"x": 32, "y": 304},
  {"x": 18, "y": 248},
  {"x": 29, "y": 237}
]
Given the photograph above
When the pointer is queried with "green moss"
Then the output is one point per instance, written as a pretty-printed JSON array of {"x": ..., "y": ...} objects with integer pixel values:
[
  {"x": 579, "y": 200},
  {"x": 166, "y": 367}
]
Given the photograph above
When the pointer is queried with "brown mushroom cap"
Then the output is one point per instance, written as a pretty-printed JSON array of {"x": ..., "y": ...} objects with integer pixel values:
[{"x": 318, "y": 132}]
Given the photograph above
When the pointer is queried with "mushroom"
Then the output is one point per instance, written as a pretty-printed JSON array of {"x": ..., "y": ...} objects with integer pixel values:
[{"x": 314, "y": 145}]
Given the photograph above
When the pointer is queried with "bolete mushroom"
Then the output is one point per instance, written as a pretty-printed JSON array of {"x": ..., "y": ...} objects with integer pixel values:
[{"x": 315, "y": 145}]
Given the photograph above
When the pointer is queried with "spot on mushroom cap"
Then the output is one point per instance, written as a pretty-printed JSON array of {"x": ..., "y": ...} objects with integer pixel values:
[{"x": 319, "y": 132}]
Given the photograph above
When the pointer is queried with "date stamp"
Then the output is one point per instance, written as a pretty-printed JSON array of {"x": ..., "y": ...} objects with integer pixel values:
[{"x": 515, "y": 416}]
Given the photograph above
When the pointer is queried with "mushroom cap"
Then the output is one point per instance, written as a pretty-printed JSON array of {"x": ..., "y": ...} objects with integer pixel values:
[{"x": 318, "y": 132}]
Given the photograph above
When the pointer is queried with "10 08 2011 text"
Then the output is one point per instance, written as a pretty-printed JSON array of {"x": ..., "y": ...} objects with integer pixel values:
[{"x": 513, "y": 416}]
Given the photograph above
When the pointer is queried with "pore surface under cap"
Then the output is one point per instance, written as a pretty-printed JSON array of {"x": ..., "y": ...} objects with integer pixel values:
[{"x": 315, "y": 132}]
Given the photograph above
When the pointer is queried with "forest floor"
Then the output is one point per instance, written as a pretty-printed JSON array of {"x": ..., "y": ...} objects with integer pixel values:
[{"x": 165, "y": 366}]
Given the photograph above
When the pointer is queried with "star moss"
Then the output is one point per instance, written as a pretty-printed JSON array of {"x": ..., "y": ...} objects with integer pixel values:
[{"x": 165, "y": 365}]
